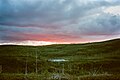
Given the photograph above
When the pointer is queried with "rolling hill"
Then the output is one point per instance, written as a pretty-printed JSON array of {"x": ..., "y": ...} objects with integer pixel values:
[{"x": 82, "y": 59}]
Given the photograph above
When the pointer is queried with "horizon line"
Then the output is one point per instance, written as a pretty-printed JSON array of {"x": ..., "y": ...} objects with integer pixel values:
[{"x": 45, "y": 43}]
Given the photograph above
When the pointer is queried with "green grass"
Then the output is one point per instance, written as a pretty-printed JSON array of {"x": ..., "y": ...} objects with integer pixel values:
[{"x": 84, "y": 59}]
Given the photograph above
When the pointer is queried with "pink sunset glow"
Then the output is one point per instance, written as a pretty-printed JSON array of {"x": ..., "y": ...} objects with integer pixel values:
[{"x": 58, "y": 21}]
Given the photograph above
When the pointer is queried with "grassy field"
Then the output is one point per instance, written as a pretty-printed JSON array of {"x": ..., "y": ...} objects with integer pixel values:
[{"x": 91, "y": 61}]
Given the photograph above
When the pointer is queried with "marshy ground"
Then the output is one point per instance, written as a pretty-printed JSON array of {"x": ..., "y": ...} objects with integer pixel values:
[{"x": 91, "y": 61}]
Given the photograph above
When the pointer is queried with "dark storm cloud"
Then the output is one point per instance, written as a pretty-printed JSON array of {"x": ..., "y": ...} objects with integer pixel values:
[
  {"x": 39, "y": 12},
  {"x": 78, "y": 18}
]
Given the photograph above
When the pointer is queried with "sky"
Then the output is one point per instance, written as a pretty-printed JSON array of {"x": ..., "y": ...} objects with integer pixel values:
[{"x": 39, "y": 22}]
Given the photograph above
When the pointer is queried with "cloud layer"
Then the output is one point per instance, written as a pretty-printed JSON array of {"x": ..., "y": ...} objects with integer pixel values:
[{"x": 59, "y": 20}]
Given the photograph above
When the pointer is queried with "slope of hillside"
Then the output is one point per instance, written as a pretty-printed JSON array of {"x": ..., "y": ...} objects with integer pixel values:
[{"x": 83, "y": 59}]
